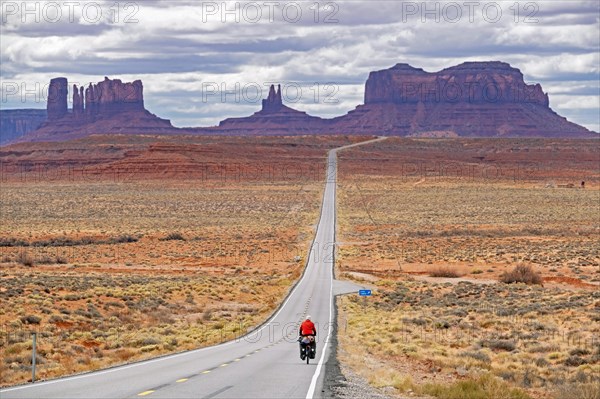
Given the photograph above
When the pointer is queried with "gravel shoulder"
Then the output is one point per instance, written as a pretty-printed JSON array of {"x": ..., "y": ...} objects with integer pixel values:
[{"x": 341, "y": 383}]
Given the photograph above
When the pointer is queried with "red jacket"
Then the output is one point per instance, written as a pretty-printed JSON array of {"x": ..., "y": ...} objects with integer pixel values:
[{"x": 308, "y": 328}]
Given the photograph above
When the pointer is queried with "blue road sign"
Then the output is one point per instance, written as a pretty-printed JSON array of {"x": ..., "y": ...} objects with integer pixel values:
[{"x": 364, "y": 292}]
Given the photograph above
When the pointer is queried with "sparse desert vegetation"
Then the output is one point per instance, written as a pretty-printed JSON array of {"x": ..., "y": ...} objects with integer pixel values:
[
  {"x": 148, "y": 254},
  {"x": 529, "y": 337},
  {"x": 87, "y": 320},
  {"x": 521, "y": 274},
  {"x": 487, "y": 283},
  {"x": 487, "y": 287}
]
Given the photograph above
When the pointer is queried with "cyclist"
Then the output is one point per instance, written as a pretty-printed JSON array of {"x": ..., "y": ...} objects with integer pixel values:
[{"x": 307, "y": 334}]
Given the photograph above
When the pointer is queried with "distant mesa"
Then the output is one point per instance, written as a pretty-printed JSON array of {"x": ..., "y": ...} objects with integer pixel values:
[
  {"x": 273, "y": 118},
  {"x": 15, "y": 123},
  {"x": 470, "y": 82},
  {"x": 473, "y": 99},
  {"x": 110, "y": 106},
  {"x": 105, "y": 98}
]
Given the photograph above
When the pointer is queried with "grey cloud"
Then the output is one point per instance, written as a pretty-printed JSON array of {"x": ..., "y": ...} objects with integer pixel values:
[
  {"x": 565, "y": 76},
  {"x": 62, "y": 29},
  {"x": 213, "y": 63},
  {"x": 591, "y": 89},
  {"x": 305, "y": 52},
  {"x": 566, "y": 20},
  {"x": 585, "y": 117},
  {"x": 482, "y": 50},
  {"x": 244, "y": 45},
  {"x": 568, "y": 8}
]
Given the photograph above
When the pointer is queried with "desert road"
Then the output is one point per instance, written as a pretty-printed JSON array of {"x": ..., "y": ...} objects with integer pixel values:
[{"x": 263, "y": 364}]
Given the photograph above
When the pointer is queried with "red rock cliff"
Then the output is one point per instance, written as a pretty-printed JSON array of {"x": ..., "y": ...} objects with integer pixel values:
[
  {"x": 273, "y": 118},
  {"x": 470, "y": 82},
  {"x": 473, "y": 99},
  {"x": 482, "y": 99},
  {"x": 57, "y": 98},
  {"x": 110, "y": 106}
]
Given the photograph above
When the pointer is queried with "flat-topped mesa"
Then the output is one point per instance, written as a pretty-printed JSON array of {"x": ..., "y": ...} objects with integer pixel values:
[
  {"x": 476, "y": 99},
  {"x": 15, "y": 123},
  {"x": 56, "y": 106},
  {"x": 116, "y": 96},
  {"x": 473, "y": 99},
  {"x": 273, "y": 102},
  {"x": 107, "y": 107},
  {"x": 469, "y": 82},
  {"x": 108, "y": 97}
]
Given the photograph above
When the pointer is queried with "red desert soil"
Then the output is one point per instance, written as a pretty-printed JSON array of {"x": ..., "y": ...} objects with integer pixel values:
[{"x": 120, "y": 248}]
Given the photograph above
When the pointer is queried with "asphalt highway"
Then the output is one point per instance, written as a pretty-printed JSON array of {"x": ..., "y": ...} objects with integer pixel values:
[{"x": 263, "y": 364}]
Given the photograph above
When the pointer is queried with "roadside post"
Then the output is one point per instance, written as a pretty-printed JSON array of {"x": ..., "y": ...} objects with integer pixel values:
[
  {"x": 364, "y": 294},
  {"x": 33, "y": 352}
]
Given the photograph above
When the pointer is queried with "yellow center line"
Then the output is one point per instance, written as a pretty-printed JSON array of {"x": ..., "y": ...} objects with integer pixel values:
[
  {"x": 236, "y": 360},
  {"x": 206, "y": 371},
  {"x": 224, "y": 364},
  {"x": 182, "y": 380},
  {"x": 145, "y": 393},
  {"x": 248, "y": 355}
]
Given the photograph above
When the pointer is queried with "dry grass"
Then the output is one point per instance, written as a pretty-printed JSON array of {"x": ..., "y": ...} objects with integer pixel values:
[
  {"x": 521, "y": 274},
  {"x": 484, "y": 387},
  {"x": 443, "y": 332},
  {"x": 444, "y": 272},
  {"x": 386, "y": 227},
  {"x": 110, "y": 271},
  {"x": 405, "y": 221},
  {"x": 578, "y": 391},
  {"x": 90, "y": 320}
]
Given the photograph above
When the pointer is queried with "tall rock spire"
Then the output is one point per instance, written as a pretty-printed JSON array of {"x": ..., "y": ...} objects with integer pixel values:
[
  {"x": 278, "y": 95},
  {"x": 57, "y": 98},
  {"x": 90, "y": 100},
  {"x": 82, "y": 97},
  {"x": 273, "y": 102},
  {"x": 77, "y": 101}
]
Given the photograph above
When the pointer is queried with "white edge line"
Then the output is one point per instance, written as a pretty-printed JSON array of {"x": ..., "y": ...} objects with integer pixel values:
[
  {"x": 313, "y": 383},
  {"x": 315, "y": 377},
  {"x": 195, "y": 351},
  {"x": 186, "y": 353},
  {"x": 176, "y": 355}
]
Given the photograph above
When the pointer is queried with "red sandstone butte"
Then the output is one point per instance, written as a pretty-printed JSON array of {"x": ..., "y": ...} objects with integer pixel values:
[
  {"x": 473, "y": 99},
  {"x": 273, "y": 118},
  {"x": 110, "y": 106}
]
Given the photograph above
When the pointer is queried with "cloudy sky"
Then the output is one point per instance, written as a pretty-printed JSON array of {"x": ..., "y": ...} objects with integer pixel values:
[{"x": 203, "y": 61}]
